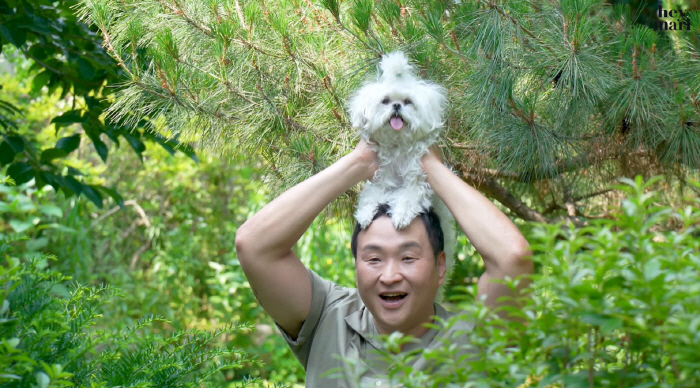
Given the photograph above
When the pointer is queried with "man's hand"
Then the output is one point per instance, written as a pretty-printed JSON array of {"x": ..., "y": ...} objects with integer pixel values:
[
  {"x": 432, "y": 158},
  {"x": 366, "y": 156}
]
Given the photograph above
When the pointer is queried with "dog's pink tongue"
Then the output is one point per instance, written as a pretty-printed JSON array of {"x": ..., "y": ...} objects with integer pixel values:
[{"x": 396, "y": 123}]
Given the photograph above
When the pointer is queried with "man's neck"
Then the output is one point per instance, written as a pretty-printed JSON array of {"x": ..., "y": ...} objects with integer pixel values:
[{"x": 416, "y": 331}]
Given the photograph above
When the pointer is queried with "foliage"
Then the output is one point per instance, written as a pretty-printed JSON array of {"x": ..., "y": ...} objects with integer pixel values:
[
  {"x": 28, "y": 212},
  {"x": 47, "y": 338},
  {"x": 58, "y": 55},
  {"x": 551, "y": 101},
  {"x": 616, "y": 304},
  {"x": 170, "y": 250}
]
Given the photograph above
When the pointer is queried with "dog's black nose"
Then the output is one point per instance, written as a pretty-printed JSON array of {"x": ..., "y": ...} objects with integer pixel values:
[{"x": 397, "y": 106}]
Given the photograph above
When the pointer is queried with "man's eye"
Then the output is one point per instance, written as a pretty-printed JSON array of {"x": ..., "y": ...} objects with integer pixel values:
[
  {"x": 408, "y": 258},
  {"x": 407, "y": 102},
  {"x": 385, "y": 101}
]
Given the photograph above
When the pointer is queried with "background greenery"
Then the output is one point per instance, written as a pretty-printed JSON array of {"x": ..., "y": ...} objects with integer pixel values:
[{"x": 145, "y": 232}]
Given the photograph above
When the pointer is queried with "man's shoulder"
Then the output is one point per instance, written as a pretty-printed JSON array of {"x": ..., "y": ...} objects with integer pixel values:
[{"x": 338, "y": 299}]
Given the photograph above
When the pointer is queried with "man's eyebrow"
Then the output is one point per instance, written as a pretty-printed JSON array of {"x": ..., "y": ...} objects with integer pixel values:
[
  {"x": 406, "y": 245},
  {"x": 409, "y": 244}
]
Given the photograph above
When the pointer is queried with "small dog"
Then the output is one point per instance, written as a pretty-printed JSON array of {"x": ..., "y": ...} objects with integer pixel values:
[{"x": 400, "y": 116}]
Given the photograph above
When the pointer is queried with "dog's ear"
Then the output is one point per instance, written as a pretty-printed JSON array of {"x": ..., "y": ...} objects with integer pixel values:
[
  {"x": 356, "y": 109},
  {"x": 432, "y": 102},
  {"x": 361, "y": 106}
]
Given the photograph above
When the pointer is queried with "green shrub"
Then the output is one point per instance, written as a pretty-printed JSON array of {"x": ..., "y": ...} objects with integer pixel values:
[
  {"x": 47, "y": 338},
  {"x": 615, "y": 304}
]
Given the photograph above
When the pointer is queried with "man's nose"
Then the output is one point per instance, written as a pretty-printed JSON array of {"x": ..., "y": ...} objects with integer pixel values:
[
  {"x": 397, "y": 106},
  {"x": 391, "y": 273}
]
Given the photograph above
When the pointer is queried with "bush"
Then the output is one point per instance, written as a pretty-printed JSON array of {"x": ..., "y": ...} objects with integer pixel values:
[
  {"x": 47, "y": 338},
  {"x": 616, "y": 304}
]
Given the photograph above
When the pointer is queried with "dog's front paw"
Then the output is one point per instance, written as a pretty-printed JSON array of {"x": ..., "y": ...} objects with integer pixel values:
[
  {"x": 402, "y": 219},
  {"x": 405, "y": 206},
  {"x": 365, "y": 214},
  {"x": 403, "y": 212}
]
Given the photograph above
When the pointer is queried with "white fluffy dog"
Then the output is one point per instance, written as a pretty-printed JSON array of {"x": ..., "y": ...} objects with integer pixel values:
[{"x": 400, "y": 117}]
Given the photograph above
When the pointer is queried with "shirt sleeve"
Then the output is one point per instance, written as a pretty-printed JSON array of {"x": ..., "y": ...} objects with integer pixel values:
[{"x": 320, "y": 288}]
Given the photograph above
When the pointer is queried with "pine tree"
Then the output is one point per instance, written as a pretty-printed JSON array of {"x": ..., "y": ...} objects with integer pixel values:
[{"x": 551, "y": 101}]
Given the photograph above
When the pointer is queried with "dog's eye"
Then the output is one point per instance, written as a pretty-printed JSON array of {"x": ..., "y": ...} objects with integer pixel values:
[
  {"x": 407, "y": 102},
  {"x": 386, "y": 100}
]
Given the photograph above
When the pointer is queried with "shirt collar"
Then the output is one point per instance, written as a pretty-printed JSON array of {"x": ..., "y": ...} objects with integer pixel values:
[{"x": 362, "y": 322}]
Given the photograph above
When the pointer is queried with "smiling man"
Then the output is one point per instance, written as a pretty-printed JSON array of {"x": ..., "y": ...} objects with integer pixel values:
[{"x": 398, "y": 272}]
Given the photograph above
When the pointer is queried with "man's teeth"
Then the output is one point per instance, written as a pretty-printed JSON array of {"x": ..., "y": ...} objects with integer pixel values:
[{"x": 392, "y": 296}]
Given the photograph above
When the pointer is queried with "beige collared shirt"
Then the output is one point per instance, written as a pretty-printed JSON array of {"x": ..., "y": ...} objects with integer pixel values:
[{"x": 339, "y": 327}]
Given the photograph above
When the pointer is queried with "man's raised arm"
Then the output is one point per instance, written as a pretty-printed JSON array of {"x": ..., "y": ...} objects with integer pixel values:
[
  {"x": 264, "y": 243},
  {"x": 503, "y": 248}
]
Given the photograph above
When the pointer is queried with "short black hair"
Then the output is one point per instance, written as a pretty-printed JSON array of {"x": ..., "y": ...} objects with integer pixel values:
[{"x": 430, "y": 220}]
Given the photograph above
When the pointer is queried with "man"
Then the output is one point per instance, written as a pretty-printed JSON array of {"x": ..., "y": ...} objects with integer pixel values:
[{"x": 398, "y": 272}]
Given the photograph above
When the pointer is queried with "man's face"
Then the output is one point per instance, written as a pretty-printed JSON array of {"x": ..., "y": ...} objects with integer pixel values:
[{"x": 397, "y": 276}]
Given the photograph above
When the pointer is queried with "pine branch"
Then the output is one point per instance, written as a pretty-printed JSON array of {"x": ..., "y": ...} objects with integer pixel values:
[
  {"x": 538, "y": 90},
  {"x": 492, "y": 189}
]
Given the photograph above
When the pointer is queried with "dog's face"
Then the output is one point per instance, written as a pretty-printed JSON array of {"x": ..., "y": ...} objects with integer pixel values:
[{"x": 397, "y": 110}]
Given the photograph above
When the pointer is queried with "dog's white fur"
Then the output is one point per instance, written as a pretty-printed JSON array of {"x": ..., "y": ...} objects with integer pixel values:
[{"x": 400, "y": 180}]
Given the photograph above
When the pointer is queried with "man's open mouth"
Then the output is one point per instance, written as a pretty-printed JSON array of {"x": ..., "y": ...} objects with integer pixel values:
[
  {"x": 393, "y": 297},
  {"x": 396, "y": 122}
]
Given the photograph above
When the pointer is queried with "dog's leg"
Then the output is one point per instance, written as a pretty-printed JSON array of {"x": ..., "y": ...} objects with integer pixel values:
[
  {"x": 370, "y": 198},
  {"x": 407, "y": 202}
]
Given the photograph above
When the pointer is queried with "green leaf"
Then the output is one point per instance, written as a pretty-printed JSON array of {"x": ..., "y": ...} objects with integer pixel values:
[
  {"x": 56, "y": 181},
  {"x": 594, "y": 319},
  {"x": 42, "y": 380},
  {"x": 57, "y": 227},
  {"x": 16, "y": 36},
  {"x": 7, "y": 154},
  {"x": 100, "y": 147},
  {"x": 171, "y": 145},
  {"x": 40, "y": 80},
  {"x": 86, "y": 70},
  {"x": 92, "y": 194},
  {"x": 652, "y": 269},
  {"x": 60, "y": 290},
  {"x": 37, "y": 244},
  {"x": 15, "y": 142},
  {"x": 69, "y": 143},
  {"x": 74, "y": 171},
  {"x": 73, "y": 185},
  {"x": 67, "y": 118},
  {"x": 50, "y": 154},
  {"x": 610, "y": 324},
  {"x": 646, "y": 385},
  {"x": 9, "y": 107},
  {"x": 20, "y": 173},
  {"x": 135, "y": 143},
  {"x": 113, "y": 194},
  {"x": 51, "y": 210},
  {"x": 21, "y": 226}
]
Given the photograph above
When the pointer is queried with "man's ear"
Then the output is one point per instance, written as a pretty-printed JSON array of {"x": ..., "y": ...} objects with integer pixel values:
[{"x": 441, "y": 267}]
